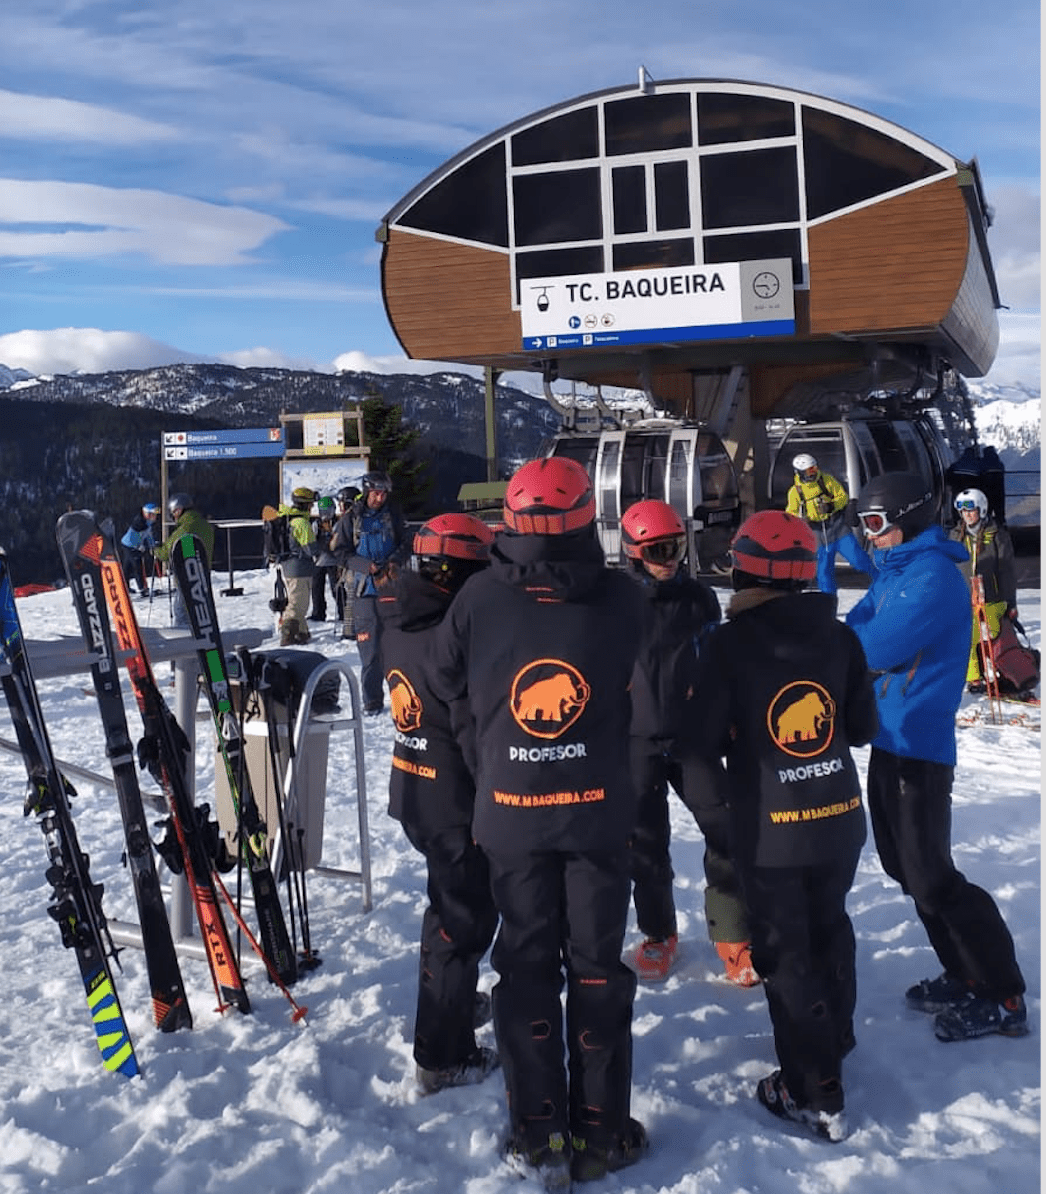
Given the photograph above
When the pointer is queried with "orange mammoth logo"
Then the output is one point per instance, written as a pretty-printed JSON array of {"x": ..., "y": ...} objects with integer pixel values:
[
  {"x": 405, "y": 702},
  {"x": 801, "y": 719},
  {"x": 548, "y": 696}
]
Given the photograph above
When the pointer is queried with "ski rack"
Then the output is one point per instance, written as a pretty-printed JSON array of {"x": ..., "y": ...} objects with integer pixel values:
[{"x": 303, "y": 721}]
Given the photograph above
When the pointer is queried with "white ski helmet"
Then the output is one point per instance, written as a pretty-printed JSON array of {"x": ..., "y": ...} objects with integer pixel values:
[
  {"x": 972, "y": 499},
  {"x": 805, "y": 465}
]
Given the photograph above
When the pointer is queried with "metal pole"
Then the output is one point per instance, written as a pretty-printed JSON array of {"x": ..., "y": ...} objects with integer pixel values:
[{"x": 490, "y": 380}]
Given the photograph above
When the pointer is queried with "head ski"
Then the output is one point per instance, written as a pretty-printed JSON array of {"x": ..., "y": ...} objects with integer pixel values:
[
  {"x": 188, "y": 563},
  {"x": 169, "y": 1000},
  {"x": 76, "y": 902}
]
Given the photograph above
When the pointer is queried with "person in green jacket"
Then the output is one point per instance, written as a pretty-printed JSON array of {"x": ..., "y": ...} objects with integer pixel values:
[
  {"x": 187, "y": 521},
  {"x": 298, "y": 566},
  {"x": 992, "y": 559},
  {"x": 820, "y": 500}
]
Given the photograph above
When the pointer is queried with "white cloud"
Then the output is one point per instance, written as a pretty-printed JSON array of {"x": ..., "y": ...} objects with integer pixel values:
[
  {"x": 50, "y": 118},
  {"x": 97, "y": 221},
  {"x": 86, "y": 350}
]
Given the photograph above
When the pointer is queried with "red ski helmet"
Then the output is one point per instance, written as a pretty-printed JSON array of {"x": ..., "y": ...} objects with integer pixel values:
[
  {"x": 462, "y": 536},
  {"x": 774, "y": 546},
  {"x": 449, "y": 548},
  {"x": 652, "y": 531},
  {"x": 550, "y": 496}
]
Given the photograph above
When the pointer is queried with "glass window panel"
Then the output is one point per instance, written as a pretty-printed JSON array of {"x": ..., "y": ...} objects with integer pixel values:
[
  {"x": 757, "y": 187},
  {"x": 652, "y": 254},
  {"x": 632, "y": 471},
  {"x": 654, "y": 465},
  {"x": 561, "y": 205},
  {"x": 671, "y": 195},
  {"x": 561, "y": 139},
  {"x": 723, "y": 118},
  {"x": 556, "y": 263},
  {"x": 629, "y": 199},
  {"x": 718, "y": 480},
  {"x": 679, "y": 476},
  {"x": 646, "y": 123},
  {"x": 757, "y": 246},
  {"x": 847, "y": 162},
  {"x": 471, "y": 203}
]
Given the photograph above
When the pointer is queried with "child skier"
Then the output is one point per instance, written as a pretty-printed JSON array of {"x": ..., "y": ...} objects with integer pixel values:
[
  {"x": 431, "y": 794},
  {"x": 681, "y": 612},
  {"x": 783, "y": 693}
]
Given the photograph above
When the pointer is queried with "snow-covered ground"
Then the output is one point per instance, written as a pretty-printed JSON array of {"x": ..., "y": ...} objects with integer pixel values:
[{"x": 252, "y": 1104}]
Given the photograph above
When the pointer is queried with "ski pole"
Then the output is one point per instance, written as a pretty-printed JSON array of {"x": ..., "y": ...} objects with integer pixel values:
[
  {"x": 299, "y": 1011},
  {"x": 991, "y": 679}
]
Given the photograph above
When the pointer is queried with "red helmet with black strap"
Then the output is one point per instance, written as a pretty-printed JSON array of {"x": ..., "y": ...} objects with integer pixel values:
[
  {"x": 462, "y": 536},
  {"x": 653, "y": 532},
  {"x": 449, "y": 548},
  {"x": 774, "y": 546},
  {"x": 551, "y": 496}
]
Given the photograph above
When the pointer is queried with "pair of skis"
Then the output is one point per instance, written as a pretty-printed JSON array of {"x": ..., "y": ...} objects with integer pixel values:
[{"x": 76, "y": 901}]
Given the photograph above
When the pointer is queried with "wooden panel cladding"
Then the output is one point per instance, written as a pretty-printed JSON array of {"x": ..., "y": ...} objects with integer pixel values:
[
  {"x": 448, "y": 301},
  {"x": 895, "y": 265},
  {"x": 768, "y": 384}
]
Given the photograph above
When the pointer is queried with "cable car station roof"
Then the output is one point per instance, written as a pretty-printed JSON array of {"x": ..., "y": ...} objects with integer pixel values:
[{"x": 645, "y": 236}]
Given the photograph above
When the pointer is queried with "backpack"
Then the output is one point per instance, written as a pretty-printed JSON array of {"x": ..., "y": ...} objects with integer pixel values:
[
  {"x": 277, "y": 539},
  {"x": 1016, "y": 663},
  {"x": 279, "y": 543}
]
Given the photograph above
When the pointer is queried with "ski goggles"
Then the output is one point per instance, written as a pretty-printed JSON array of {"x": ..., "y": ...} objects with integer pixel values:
[
  {"x": 664, "y": 551},
  {"x": 875, "y": 522},
  {"x": 965, "y": 504}
]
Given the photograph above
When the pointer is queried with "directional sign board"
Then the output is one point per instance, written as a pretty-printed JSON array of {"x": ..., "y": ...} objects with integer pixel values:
[{"x": 236, "y": 443}]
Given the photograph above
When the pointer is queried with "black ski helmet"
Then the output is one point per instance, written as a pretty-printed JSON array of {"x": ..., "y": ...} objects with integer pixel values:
[
  {"x": 178, "y": 501},
  {"x": 376, "y": 480},
  {"x": 904, "y": 500},
  {"x": 348, "y": 494}
]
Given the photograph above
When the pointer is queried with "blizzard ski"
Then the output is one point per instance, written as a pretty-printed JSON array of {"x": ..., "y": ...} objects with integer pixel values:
[
  {"x": 169, "y": 1000},
  {"x": 76, "y": 902},
  {"x": 188, "y": 562},
  {"x": 165, "y": 749}
]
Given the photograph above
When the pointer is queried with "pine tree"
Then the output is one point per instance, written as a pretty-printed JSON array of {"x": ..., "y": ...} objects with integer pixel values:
[{"x": 391, "y": 447}]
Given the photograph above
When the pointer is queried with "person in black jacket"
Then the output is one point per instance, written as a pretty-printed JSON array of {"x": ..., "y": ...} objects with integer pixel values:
[
  {"x": 431, "y": 794},
  {"x": 542, "y": 645},
  {"x": 681, "y": 612},
  {"x": 783, "y": 693}
]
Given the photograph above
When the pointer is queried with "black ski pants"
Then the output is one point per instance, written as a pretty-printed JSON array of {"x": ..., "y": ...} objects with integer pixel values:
[
  {"x": 563, "y": 914},
  {"x": 456, "y": 931},
  {"x": 650, "y": 863},
  {"x": 803, "y": 948},
  {"x": 324, "y": 576},
  {"x": 910, "y": 802}
]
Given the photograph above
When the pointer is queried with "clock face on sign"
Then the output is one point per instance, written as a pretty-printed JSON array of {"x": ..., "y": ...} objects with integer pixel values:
[{"x": 766, "y": 284}]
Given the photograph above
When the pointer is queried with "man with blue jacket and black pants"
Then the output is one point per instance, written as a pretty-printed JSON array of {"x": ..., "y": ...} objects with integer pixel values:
[
  {"x": 366, "y": 541},
  {"x": 914, "y": 625}
]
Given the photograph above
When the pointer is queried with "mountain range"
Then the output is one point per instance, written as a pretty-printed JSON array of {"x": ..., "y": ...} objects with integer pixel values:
[{"x": 93, "y": 440}]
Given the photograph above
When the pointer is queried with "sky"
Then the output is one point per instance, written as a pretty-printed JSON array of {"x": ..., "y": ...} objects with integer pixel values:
[
  {"x": 242, "y": 1104},
  {"x": 203, "y": 181}
]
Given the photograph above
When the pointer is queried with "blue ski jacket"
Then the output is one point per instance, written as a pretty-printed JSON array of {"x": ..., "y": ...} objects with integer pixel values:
[{"x": 914, "y": 623}]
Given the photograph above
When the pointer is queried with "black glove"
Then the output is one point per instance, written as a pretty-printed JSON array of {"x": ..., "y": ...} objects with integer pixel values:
[{"x": 149, "y": 757}]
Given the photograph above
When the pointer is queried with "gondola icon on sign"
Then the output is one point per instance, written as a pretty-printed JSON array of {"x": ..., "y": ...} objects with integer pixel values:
[{"x": 542, "y": 299}]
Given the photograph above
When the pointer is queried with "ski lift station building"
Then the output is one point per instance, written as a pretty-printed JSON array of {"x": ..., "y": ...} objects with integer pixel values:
[{"x": 738, "y": 251}]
